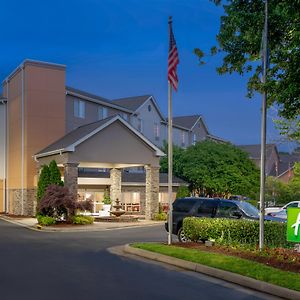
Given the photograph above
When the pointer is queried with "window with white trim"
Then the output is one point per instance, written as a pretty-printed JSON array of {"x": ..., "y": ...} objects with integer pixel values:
[
  {"x": 140, "y": 125},
  {"x": 194, "y": 139},
  {"x": 102, "y": 113},
  {"x": 79, "y": 108},
  {"x": 156, "y": 131}
]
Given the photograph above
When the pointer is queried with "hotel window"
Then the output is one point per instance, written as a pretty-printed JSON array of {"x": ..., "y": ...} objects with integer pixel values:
[
  {"x": 156, "y": 131},
  {"x": 79, "y": 109},
  {"x": 182, "y": 138},
  {"x": 194, "y": 138},
  {"x": 102, "y": 113},
  {"x": 140, "y": 125}
]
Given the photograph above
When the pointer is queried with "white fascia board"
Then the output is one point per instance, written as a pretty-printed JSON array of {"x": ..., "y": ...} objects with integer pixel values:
[
  {"x": 176, "y": 126},
  {"x": 98, "y": 101},
  {"x": 58, "y": 151}
]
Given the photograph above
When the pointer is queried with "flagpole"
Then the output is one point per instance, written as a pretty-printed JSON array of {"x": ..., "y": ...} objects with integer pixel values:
[
  {"x": 263, "y": 134},
  {"x": 170, "y": 162}
]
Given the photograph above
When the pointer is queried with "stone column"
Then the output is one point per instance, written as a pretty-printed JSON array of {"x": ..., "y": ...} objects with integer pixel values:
[
  {"x": 71, "y": 177},
  {"x": 116, "y": 184},
  {"x": 152, "y": 190}
]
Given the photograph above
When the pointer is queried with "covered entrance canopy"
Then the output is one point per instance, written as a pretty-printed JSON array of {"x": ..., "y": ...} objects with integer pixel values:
[{"x": 110, "y": 143}]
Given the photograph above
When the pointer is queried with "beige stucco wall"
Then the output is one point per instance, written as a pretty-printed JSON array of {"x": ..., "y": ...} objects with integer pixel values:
[
  {"x": 45, "y": 112},
  {"x": 1, "y": 195},
  {"x": 2, "y": 139}
]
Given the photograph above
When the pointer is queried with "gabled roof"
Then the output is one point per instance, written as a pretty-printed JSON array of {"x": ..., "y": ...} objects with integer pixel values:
[
  {"x": 186, "y": 121},
  {"x": 68, "y": 142},
  {"x": 287, "y": 162},
  {"x": 254, "y": 150},
  {"x": 131, "y": 103},
  {"x": 94, "y": 98}
]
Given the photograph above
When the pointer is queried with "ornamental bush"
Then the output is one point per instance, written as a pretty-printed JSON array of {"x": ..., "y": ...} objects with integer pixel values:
[
  {"x": 60, "y": 204},
  {"x": 235, "y": 232},
  {"x": 82, "y": 220},
  {"x": 45, "y": 220}
]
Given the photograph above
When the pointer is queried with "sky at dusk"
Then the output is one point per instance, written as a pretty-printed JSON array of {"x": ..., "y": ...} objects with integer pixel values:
[{"x": 119, "y": 48}]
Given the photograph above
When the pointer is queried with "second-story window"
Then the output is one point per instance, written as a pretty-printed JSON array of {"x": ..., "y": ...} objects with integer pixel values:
[
  {"x": 79, "y": 108},
  {"x": 140, "y": 125},
  {"x": 156, "y": 131},
  {"x": 102, "y": 113},
  {"x": 194, "y": 139}
]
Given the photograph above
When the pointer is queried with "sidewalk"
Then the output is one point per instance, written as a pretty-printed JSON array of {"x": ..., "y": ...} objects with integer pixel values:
[{"x": 31, "y": 223}]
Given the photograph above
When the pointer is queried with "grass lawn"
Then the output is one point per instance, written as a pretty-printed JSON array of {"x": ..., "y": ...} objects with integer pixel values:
[{"x": 228, "y": 263}]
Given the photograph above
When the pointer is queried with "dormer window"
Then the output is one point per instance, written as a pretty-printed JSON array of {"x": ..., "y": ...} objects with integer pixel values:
[
  {"x": 102, "y": 113},
  {"x": 79, "y": 108},
  {"x": 149, "y": 107}
]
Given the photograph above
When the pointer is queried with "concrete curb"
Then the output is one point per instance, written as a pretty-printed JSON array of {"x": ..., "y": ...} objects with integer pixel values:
[
  {"x": 19, "y": 223},
  {"x": 225, "y": 275},
  {"x": 74, "y": 229}
]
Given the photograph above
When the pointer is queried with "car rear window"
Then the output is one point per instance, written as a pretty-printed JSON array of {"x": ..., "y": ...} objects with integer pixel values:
[{"x": 183, "y": 205}]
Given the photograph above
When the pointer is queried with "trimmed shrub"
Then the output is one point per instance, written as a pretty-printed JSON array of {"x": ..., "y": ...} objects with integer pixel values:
[
  {"x": 45, "y": 220},
  {"x": 235, "y": 232},
  {"x": 55, "y": 176},
  {"x": 43, "y": 183},
  {"x": 161, "y": 216},
  {"x": 82, "y": 220}
]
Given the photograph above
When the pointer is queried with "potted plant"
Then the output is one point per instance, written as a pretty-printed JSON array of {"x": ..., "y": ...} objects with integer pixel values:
[{"x": 106, "y": 204}]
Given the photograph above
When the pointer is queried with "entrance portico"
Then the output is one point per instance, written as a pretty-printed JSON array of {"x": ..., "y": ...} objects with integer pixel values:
[{"x": 111, "y": 144}]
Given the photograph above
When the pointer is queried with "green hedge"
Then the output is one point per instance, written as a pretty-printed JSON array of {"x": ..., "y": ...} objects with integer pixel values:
[
  {"x": 235, "y": 232},
  {"x": 82, "y": 220}
]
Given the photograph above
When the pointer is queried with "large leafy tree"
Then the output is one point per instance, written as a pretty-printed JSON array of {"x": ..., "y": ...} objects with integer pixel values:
[
  {"x": 239, "y": 40},
  {"x": 217, "y": 169}
]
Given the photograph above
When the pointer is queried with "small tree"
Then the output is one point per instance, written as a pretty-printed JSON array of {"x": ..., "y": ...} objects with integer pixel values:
[
  {"x": 58, "y": 202},
  {"x": 55, "y": 177},
  {"x": 44, "y": 181},
  {"x": 183, "y": 191}
]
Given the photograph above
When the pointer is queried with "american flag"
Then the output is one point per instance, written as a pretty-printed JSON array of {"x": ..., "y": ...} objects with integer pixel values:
[{"x": 173, "y": 59}]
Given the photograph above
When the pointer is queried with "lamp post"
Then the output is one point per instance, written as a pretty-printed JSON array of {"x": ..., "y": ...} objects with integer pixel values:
[{"x": 263, "y": 131}]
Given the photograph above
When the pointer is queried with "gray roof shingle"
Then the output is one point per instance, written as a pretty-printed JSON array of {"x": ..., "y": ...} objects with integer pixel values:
[
  {"x": 132, "y": 103},
  {"x": 74, "y": 136},
  {"x": 95, "y": 97},
  {"x": 254, "y": 150},
  {"x": 186, "y": 121}
]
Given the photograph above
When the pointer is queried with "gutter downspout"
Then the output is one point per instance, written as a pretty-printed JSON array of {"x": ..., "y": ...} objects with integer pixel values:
[{"x": 6, "y": 190}]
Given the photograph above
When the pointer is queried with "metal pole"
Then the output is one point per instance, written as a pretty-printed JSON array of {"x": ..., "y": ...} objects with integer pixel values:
[
  {"x": 170, "y": 163},
  {"x": 263, "y": 133}
]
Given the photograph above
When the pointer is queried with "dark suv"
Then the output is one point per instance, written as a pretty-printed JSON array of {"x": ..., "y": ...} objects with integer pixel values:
[{"x": 211, "y": 208}]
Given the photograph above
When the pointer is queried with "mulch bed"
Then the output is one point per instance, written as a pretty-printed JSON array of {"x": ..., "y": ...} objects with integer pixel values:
[{"x": 284, "y": 259}]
